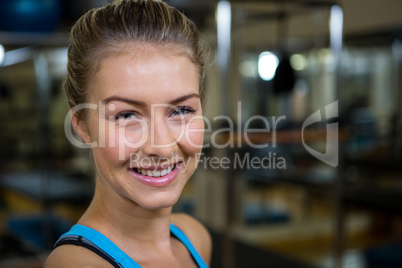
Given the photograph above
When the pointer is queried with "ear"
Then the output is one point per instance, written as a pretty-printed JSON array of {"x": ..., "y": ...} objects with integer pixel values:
[{"x": 80, "y": 127}]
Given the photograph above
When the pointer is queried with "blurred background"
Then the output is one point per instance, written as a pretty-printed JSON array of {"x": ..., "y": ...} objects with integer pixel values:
[{"x": 276, "y": 63}]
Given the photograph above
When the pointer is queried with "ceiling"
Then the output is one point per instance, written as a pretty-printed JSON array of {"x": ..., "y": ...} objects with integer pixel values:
[
  {"x": 262, "y": 23},
  {"x": 302, "y": 23}
]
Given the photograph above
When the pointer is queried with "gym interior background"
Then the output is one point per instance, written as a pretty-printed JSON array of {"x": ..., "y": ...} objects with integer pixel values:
[{"x": 315, "y": 84}]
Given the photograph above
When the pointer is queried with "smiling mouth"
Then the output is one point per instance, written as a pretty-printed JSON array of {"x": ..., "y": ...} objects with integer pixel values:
[{"x": 156, "y": 173}]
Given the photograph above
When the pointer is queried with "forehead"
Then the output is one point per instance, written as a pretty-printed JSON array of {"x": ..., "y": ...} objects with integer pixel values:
[{"x": 146, "y": 72}]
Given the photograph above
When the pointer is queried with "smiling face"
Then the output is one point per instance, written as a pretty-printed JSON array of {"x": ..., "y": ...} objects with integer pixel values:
[{"x": 148, "y": 126}]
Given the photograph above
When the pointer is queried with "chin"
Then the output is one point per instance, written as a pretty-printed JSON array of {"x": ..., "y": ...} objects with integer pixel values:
[{"x": 158, "y": 201}]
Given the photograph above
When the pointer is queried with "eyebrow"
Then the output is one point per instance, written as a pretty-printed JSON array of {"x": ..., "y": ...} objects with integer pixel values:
[
  {"x": 117, "y": 98},
  {"x": 141, "y": 103},
  {"x": 183, "y": 98}
]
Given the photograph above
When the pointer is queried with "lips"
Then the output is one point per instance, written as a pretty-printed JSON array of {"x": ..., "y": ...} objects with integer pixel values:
[{"x": 158, "y": 176}]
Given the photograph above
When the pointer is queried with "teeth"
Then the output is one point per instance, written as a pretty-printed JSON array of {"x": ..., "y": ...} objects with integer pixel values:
[{"x": 156, "y": 173}]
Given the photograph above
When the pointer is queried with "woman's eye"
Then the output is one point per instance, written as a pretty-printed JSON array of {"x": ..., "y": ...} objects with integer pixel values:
[
  {"x": 125, "y": 116},
  {"x": 182, "y": 110}
]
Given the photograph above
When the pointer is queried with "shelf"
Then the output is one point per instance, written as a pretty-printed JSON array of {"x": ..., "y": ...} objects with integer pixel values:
[
  {"x": 56, "y": 39},
  {"x": 49, "y": 187},
  {"x": 279, "y": 136}
]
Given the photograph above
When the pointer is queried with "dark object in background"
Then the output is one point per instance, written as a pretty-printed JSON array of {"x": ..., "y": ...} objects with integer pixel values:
[
  {"x": 29, "y": 15},
  {"x": 30, "y": 229},
  {"x": 386, "y": 256},
  {"x": 12, "y": 247},
  {"x": 249, "y": 256},
  {"x": 5, "y": 92},
  {"x": 284, "y": 79}
]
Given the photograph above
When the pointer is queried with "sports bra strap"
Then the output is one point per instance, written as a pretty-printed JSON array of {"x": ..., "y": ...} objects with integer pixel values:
[
  {"x": 98, "y": 241},
  {"x": 83, "y": 242},
  {"x": 95, "y": 241},
  {"x": 184, "y": 239}
]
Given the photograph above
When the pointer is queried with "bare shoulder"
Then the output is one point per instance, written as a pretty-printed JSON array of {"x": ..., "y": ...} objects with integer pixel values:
[
  {"x": 196, "y": 232},
  {"x": 74, "y": 256}
]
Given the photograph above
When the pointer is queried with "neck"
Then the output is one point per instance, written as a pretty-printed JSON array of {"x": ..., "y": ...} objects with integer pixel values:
[{"x": 122, "y": 219}]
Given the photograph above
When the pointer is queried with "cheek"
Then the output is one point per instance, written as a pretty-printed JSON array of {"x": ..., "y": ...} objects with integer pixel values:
[
  {"x": 194, "y": 136},
  {"x": 118, "y": 143},
  {"x": 108, "y": 149}
]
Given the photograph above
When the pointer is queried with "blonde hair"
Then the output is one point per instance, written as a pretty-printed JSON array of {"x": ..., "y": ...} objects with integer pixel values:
[{"x": 108, "y": 29}]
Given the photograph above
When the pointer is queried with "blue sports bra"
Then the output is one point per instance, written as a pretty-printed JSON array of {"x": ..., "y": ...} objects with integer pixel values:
[{"x": 93, "y": 240}]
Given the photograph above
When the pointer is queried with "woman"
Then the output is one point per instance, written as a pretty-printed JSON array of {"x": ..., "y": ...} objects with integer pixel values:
[{"x": 138, "y": 66}]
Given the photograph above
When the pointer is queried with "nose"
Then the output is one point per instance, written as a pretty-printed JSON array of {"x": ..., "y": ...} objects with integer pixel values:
[{"x": 161, "y": 140}]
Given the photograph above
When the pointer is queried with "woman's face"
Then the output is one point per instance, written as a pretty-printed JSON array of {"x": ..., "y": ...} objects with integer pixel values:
[{"x": 148, "y": 126}]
